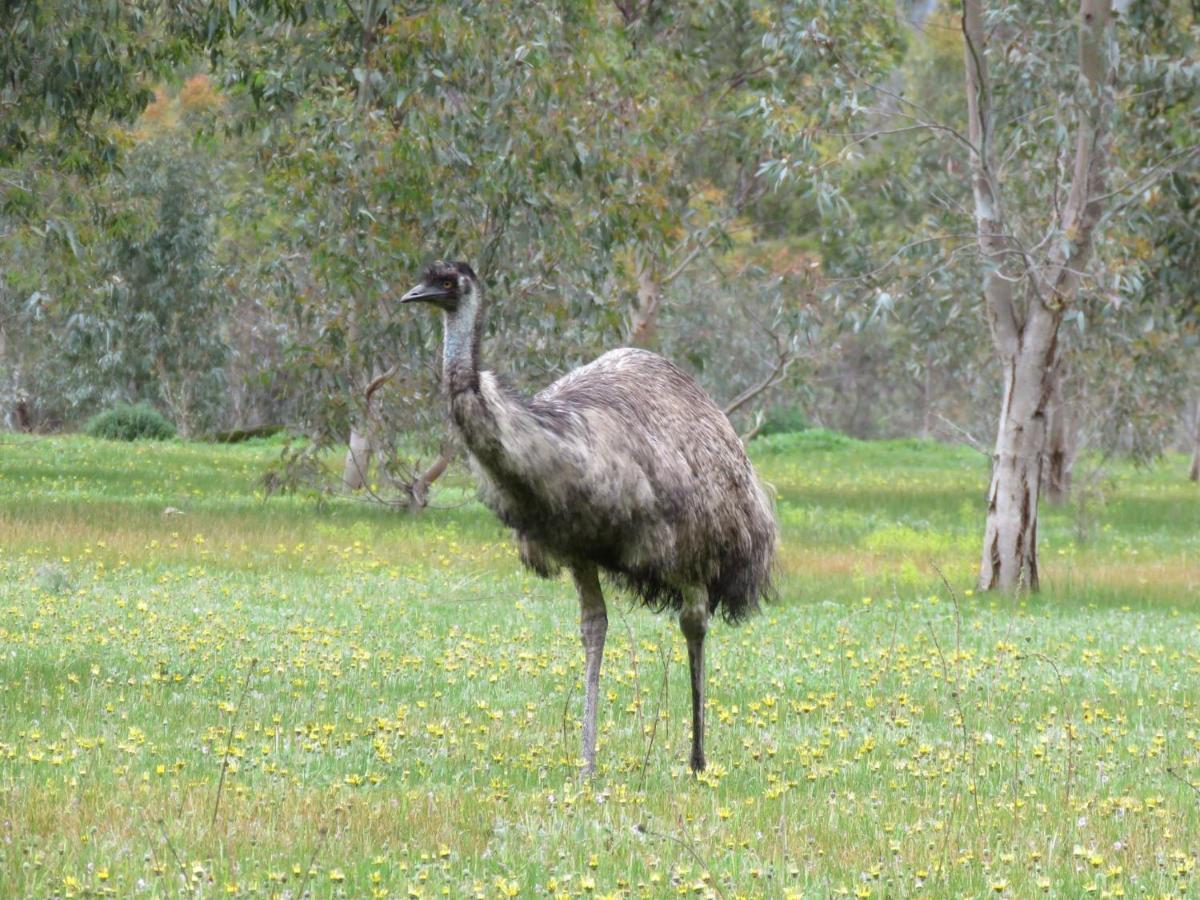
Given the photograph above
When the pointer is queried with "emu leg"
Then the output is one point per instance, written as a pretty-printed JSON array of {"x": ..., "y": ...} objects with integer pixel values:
[
  {"x": 693, "y": 622},
  {"x": 593, "y": 624}
]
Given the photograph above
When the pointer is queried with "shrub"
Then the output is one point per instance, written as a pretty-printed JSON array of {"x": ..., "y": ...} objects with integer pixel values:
[
  {"x": 130, "y": 423},
  {"x": 784, "y": 421},
  {"x": 812, "y": 440}
]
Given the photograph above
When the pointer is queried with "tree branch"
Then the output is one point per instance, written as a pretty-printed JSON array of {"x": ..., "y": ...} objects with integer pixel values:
[
  {"x": 418, "y": 489},
  {"x": 928, "y": 122},
  {"x": 1085, "y": 201},
  {"x": 377, "y": 382},
  {"x": 776, "y": 375},
  {"x": 970, "y": 439},
  {"x": 998, "y": 279},
  {"x": 1158, "y": 170}
]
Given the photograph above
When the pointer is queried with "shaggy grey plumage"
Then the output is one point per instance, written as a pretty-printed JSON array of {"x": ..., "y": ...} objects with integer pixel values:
[{"x": 624, "y": 465}]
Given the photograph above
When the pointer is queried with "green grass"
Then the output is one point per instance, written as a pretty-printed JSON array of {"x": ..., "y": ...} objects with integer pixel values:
[{"x": 395, "y": 703}]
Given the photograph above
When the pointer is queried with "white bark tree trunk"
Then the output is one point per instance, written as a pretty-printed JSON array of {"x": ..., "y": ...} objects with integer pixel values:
[
  {"x": 1010, "y": 558},
  {"x": 357, "y": 467},
  {"x": 1026, "y": 334},
  {"x": 362, "y": 446}
]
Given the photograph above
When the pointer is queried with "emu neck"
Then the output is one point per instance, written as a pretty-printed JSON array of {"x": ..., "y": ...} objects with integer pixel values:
[
  {"x": 460, "y": 354},
  {"x": 475, "y": 410}
]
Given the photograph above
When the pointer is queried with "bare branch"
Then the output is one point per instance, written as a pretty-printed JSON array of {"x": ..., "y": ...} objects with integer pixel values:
[
  {"x": 354, "y": 14},
  {"x": 1155, "y": 172},
  {"x": 759, "y": 422},
  {"x": 895, "y": 257},
  {"x": 970, "y": 439},
  {"x": 691, "y": 257},
  {"x": 776, "y": 375},
  {"x": 928, "y": 122},
  {"x": 861, "y": 137},
  {"x": 379, "y": 381},
  {"x": 418, "y": 488}
]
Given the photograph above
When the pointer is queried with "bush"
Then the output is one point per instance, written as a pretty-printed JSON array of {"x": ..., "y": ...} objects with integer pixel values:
[
  {"x": 130, "y": 423},
  {"x": 785, "y": 421},
  {"x": 812, "y": 440}
]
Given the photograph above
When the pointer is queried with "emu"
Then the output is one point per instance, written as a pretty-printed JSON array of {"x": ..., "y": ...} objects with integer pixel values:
[{"x": 623, "y": 466}]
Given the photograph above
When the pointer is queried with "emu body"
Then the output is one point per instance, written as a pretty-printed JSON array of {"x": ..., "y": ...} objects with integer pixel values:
[{"x": 623, "y": 466}]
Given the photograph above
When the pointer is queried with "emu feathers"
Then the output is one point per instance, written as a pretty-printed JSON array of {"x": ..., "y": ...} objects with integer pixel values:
[{"x": 626, "y": 463}]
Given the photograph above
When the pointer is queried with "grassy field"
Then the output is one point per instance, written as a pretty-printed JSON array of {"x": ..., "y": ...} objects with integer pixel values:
[{"x": 275, "y": 698}]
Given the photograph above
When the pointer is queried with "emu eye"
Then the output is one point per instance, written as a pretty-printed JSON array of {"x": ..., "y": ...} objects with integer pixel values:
[{"x": 447, "y": 284}]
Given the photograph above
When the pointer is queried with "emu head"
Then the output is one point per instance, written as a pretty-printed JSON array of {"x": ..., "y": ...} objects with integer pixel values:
[{"x": 446, "y": 285}]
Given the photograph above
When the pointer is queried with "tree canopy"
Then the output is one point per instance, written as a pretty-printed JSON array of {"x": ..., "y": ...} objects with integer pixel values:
[{"x": 212, "y": 207}]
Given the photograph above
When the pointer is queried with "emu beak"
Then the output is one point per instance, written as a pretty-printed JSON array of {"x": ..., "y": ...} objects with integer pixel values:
[{"x": 424, "y": 292}]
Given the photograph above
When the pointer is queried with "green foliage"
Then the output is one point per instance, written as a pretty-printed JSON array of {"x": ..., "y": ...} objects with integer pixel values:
[
  {"x": 798, "y": 442},
  {"x": 130, "y": 422},
  {"x": 72, "y": 67},
  {"x": 784, "y": 420},
  {"x": 154, "y": 324}
]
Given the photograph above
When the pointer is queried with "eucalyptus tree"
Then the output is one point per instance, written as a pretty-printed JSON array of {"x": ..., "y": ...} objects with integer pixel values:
[
  {"x": 392, "y": 135},
  {"x": 1163, "y": 232},
  {"x": 570, "y": 150},
  {"x": 1040, "y": 166},
  {"x": 71, "y": 73},
  {"x": 733, "y": 102},
  {"x": 71, "y": 68},
  {"x": 1128, "y": 356},
  {"x": 1029, "y": 281},
  {"x": 897, "y": 250},
  {"x": 75, "y": 76},
  {"x": 150, "y": 327}
]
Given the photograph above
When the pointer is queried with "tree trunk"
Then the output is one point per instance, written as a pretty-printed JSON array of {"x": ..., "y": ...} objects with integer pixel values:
[
  {"x": 358, "y": 461},
  {"x": 1194, "y": 474},
  {"x": 357, "y": 469},
  {"x": 1060, "y": 444},
  {"x": 1010, "y": 560},
  {"x": 927, "y": 402},
  {"x": 24, "y": 422}
]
